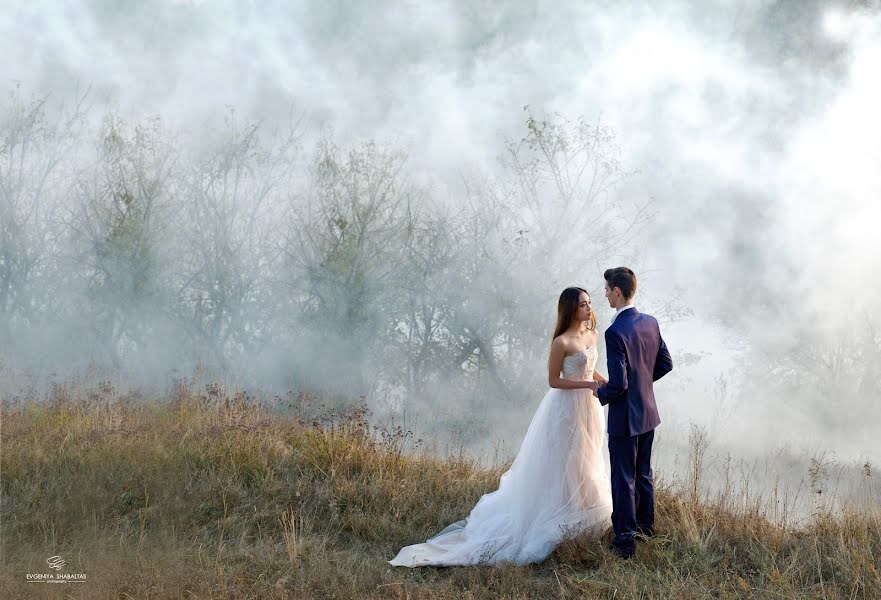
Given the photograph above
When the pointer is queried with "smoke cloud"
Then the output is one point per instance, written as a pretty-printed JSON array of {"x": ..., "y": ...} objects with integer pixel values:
[{"x": 748, "y": 133}]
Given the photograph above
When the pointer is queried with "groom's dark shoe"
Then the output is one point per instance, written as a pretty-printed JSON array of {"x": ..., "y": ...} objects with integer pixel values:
[{"x": 623, "y": 553}]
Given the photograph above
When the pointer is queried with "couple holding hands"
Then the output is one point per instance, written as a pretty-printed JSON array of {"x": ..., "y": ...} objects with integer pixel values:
[{"x": 559, "y": 484}]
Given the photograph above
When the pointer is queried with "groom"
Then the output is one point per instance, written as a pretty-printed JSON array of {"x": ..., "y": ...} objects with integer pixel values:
[{"x": 637, "y": 357}]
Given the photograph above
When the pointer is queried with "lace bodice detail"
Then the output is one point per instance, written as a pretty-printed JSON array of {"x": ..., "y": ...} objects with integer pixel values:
[{"x": 581, "y": 364}]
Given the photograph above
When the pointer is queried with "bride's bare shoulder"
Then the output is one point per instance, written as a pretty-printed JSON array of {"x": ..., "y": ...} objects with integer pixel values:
[{"x": 564, "y": 342}]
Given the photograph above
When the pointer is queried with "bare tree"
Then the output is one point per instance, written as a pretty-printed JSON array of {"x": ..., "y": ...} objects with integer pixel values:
[
  {"x": 815, "y": 374},
  {"x": 33, "y": 147},
  {"x": 562, "y": 175},
  {"x": 344, "y": 250},
  {"x": 120, "y": 226},
  {"x": 226, "y": 249},
  {"x": 544, "y": 225}
]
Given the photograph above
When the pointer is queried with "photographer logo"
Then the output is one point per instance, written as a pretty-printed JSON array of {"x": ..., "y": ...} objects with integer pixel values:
[{"x": 56, "y": 563}]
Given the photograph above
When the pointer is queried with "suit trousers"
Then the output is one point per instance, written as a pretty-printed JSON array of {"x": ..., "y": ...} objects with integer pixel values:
[{"x": 633, "y": 496}]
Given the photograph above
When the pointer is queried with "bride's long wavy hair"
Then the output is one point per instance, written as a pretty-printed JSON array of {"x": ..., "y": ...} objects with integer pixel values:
[{"x": 567, "y": 307}]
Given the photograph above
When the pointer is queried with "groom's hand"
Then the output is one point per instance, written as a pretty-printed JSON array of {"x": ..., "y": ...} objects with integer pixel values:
[{"x": 593, "y": 386}]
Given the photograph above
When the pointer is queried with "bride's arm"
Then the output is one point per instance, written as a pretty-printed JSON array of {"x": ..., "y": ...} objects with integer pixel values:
[
  {"x": 555, "y": 366},
  {"x": 598, "y": 377}
]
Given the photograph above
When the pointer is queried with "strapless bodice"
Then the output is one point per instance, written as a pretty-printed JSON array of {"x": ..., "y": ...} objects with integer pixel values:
[{"x": 580, "y": 365}]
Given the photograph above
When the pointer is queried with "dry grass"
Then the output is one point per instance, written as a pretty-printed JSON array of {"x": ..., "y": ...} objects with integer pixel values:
[{"x": 206, "y": 495}]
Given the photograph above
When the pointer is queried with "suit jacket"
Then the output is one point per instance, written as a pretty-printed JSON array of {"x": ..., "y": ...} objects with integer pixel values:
[{"x": 637, "y": 357}]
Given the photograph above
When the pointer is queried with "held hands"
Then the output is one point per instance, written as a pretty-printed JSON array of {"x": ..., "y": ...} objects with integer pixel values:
[
  {"x": 598, "y": 382},
  {"x": 593, "y": 386}
]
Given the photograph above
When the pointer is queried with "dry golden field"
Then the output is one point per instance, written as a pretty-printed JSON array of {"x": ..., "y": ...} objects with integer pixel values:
[{"x": 201, "y": 494}]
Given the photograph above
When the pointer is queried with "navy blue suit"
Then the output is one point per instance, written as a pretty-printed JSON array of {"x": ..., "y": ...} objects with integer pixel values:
[{"x": 637, "y": 357}]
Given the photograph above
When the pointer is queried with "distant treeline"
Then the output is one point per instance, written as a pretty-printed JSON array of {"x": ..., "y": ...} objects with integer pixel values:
[{"x": 135, "y": 246}]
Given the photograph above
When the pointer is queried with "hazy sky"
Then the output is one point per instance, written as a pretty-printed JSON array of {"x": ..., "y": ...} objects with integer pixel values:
[
  {"x": 746, "y": 119},
  {"x": 754, "y": 125}
]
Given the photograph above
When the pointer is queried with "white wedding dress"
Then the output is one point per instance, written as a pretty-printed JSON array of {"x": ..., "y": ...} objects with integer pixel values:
[{"x": 557, "y": 486}]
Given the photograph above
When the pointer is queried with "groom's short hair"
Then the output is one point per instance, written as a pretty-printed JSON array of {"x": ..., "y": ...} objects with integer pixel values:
[{"x": 622, "y": 278}]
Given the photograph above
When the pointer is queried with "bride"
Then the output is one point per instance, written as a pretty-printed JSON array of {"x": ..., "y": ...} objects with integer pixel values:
[{"x": 558, "y": 485}]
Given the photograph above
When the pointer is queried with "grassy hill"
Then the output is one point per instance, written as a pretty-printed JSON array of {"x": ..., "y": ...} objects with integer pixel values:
[{"x": 202, "y": 495}]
